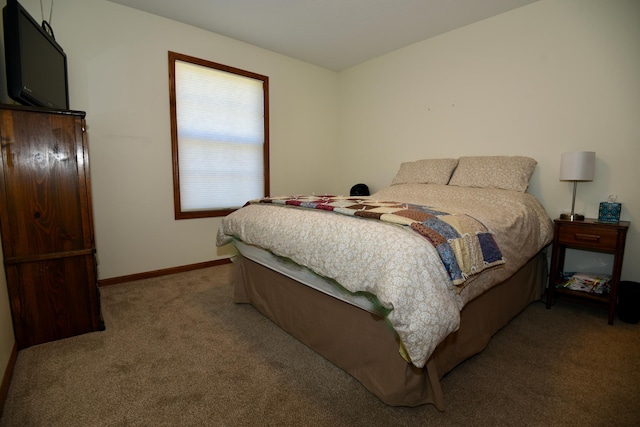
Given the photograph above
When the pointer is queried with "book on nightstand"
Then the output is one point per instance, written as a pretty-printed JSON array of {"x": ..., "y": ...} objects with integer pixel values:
[{"x": 593, "y": 283}]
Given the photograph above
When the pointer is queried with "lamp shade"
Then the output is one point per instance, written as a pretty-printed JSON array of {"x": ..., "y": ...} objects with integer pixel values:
[{"x": 577, "y": 166}]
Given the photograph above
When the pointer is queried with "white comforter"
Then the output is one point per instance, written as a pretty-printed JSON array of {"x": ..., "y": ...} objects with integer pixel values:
[{"x": 394, "y": 263}]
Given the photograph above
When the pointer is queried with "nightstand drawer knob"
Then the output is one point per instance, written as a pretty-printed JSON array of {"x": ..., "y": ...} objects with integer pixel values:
[{"x": 587, "y": 237}]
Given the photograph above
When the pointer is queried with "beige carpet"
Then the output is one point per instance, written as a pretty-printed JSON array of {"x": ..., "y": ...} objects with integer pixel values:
[{"x": 178, "y": 352}]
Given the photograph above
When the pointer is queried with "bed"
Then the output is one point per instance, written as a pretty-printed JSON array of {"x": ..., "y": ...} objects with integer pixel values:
[{"x": 399, "y": 287}]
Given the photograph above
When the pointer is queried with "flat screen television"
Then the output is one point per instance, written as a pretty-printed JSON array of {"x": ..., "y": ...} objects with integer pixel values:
[{"x": 36, "y": 64}]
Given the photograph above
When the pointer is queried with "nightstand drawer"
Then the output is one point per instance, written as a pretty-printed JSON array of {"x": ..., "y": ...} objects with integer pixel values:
[{"x": 601, "y": 238}]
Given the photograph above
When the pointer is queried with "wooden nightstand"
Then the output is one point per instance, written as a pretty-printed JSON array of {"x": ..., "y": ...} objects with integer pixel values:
[{"x": 589, "y": 235}]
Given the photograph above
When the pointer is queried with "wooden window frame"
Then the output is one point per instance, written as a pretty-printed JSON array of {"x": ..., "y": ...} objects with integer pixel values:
[{"x": 173, "y": 57}]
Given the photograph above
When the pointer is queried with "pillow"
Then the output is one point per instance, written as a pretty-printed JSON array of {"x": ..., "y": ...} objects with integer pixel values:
[
  {"x": 429, "y": 171},
  {"x": 504, "y": 172}
]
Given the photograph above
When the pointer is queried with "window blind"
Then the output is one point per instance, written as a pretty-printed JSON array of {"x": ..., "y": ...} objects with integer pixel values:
[{"x": 220, "y": 127}]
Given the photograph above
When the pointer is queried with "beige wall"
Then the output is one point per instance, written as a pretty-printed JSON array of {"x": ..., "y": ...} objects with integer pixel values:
[
  {"x": 550, "y": 77},
  {"x": 118, "y": 74}
]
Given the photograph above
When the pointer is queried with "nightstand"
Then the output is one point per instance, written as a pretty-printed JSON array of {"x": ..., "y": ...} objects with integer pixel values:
[{"x": 589, "y": 235}]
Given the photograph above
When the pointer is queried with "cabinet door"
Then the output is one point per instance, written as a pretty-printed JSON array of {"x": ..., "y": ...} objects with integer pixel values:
[
  {"x": 56, "y": 299},
  {"x": 45, "y": 196}
]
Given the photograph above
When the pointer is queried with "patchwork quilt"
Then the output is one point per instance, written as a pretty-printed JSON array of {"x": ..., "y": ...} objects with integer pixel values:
[
  {"x": 396, "y": 256},
  {"x": 463, "y": 243}
]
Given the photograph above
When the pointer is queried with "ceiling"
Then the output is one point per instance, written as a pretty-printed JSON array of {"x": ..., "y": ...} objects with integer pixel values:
[{"x": 335, "y": 34}]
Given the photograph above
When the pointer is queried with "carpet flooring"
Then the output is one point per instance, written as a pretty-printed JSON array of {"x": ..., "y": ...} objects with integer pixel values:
[{"x": 178, "y": 352}]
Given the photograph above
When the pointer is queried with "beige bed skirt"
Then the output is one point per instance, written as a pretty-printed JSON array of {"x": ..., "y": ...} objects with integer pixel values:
[{"x": 365, "y": 346}]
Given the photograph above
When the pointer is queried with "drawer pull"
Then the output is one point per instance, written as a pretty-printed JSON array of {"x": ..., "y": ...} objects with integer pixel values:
[{"x": 587, "y": 237}]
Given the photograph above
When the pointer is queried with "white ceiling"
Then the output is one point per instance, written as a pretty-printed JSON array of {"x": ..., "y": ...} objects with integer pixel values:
[{"x": 335, "y": 34}]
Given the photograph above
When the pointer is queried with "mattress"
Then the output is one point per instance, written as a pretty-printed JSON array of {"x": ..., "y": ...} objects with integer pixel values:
[{"x": 399, "y": 267}]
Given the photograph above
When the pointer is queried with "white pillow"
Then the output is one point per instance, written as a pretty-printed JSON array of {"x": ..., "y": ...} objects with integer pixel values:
[
  {"x": 504, "y": 172},
  {"x": 429, "y": 171}
]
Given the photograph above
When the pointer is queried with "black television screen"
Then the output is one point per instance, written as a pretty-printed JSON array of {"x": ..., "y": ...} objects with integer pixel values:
[{"x": 36, "y": 64}]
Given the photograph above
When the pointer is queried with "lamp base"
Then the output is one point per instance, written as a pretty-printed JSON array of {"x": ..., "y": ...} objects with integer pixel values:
[{"x": 572, "y": 217}]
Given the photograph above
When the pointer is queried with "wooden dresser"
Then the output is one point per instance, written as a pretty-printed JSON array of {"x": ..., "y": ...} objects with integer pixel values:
[{"x": 47, "y": 224}]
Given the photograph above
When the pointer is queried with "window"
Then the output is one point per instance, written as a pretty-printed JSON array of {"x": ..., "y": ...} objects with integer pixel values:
[{"x": 219, "y": 136}]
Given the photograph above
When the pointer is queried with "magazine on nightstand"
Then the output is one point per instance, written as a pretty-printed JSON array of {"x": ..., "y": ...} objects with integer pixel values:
[{"x": 594, "y": 283}]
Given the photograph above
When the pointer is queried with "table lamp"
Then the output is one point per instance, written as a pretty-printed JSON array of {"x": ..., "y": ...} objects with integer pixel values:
[{"x": 576, "y": 166}]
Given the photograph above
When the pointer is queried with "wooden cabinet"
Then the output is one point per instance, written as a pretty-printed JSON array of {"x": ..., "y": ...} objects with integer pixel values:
[
  {"x": 589, "y": 235},
  {"x": 47, "y": 225}
]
